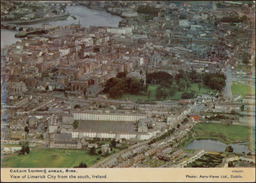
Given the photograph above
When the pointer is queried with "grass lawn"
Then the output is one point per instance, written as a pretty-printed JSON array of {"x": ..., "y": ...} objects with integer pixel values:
[
  {"x": 241, "y": 89},
  {"x": 177, "y": 96},
  {"x": 225, "y": 133},
  {"x": 242, "y": 68},
  {"x": 50, "y": 158},
  {"x": 151, "y": 88},
  {"x": 193, "y": 87}
]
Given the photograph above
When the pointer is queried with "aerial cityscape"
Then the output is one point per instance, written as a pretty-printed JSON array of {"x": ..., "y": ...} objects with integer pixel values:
[{"x": 127, "y": 84}]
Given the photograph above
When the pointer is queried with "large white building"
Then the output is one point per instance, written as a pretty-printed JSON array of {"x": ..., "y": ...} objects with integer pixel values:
[
  {"x": 109, "y": 125},
  {"x": 140, "y": 136},
  {"x": 108, "y": 117},
  {"x": 120, "y": 30}
]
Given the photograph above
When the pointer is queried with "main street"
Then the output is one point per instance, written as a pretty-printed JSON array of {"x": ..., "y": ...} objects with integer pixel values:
[{"x": 229, "y": 81}]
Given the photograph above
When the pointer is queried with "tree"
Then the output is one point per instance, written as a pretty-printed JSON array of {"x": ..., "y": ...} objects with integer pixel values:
[
  {"x": 173, "y": 90},
  {"x": 182, "y": 84},
  {"x": 75, "y": 124},
  {"x": 77, "y": 106},
  {"x": 199, "y": 86},
  {"x": 116, "y": 92},
  {"x": 159, "y": 77},
  {"x": 147, "y": 10},
  {"x": 149, "y": 94},
  {"x": 121, "y": 74},
  {"x": 92, "y": 151},
  {"x": 229, "y": 149},
  {"x": 215, "y": 81},
  {"x": 106, "y": 153},
  {"x": 26, "y": 129},
  {"x": 82, "y": 165},
  {"x": 245, "y": 58},
  {"x": 135, "y": 87},
  {"x": 188, "y": 84},
  {"x": 242, "y": 108},
  {"x": 25, "y": 148},
  {"x": 113, "y": 143},
  {"x": 110, "y": 83},
  {"x": 161, "y": 93},
  {"x": 188, "y": 95},
  {"x": 233, "y": 112}
]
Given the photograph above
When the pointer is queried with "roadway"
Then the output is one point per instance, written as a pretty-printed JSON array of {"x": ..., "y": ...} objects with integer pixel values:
[{"x": 229, "y": 81}]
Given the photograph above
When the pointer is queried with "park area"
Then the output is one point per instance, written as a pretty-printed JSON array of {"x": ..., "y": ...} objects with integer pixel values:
[
  {"x": 50, "y": 158},
  {"x": 151, "y": 93},
  {"x": 241, "y": 89},
  {"x": 225, "y": 133}
]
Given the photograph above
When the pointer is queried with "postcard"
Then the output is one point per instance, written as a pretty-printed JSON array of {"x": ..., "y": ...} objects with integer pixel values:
[{"x": 127, "y": 91}]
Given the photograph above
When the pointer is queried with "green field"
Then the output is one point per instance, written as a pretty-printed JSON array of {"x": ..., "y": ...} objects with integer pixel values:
[
  {"x": 225, "y": 133},
  {"x": 241, "y": 89},
  {"x": 177, "y": 96},
  {"x": 242, "y": 68},
  {"x": 193, "y": 87},
  {"x": 151, "y": 88},
  {"x": 50, "y": 158}
]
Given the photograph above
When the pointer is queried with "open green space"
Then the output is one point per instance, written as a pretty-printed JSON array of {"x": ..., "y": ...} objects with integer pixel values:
[
  {"x": 151, "y": 97},
  {"x": 193, "y": 87},
  {"x": 242, "y": 67},
  {"x": 177, "y": 96},
  {"x": 225, "y": 133},
  {"x": 241, "y": 89},
  {"x": 51, "y": 158}
]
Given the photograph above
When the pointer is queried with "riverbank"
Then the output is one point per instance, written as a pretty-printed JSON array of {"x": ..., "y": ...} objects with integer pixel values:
[
  {"x": 225, "y": 133},
  {"x": 41, "y": 20},
  {"x": 87, "y": 18},
  {"x": 112, "y": 11}
]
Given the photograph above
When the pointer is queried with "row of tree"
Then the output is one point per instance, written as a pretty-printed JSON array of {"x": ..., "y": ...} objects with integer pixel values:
[
  {"x": 166, "y": 134},
  {"x": 215, "y": 81},
  {"x": 168, "y": 85}
]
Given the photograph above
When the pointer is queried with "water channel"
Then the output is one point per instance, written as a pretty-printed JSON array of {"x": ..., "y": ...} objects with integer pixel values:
[
  {"x": 216, "y": 146},
  {"x": 87, "y": 17}
]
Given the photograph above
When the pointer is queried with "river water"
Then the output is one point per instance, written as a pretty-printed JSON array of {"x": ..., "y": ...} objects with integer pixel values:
[
  {"x": 87, "y": 17},
  {"x": 216, "y": 146}
]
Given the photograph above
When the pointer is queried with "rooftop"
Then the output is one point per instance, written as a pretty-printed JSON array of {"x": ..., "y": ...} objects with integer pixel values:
[{"x": 106, "y": 127}]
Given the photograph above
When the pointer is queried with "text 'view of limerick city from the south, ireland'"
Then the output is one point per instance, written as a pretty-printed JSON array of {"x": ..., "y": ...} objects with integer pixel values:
[{"x": 127, "y": 84}]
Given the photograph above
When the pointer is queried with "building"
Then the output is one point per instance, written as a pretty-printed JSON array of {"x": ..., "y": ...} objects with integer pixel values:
[
  {"x": 194, "y": 117},
  {"x": 93, "y": 90},
  {"x": 127, "y": 155},
  {"x": 139, "y": 157},
  {"x": 110, "y": 163},
  {"x": 16, "y": 87},
  {"x": 64, "y": 141},
  {"x": 142, "y": 127},
  {"x": 107, "y": 117}
]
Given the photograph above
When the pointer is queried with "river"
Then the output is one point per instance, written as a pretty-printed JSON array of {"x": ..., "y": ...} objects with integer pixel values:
[{"x": 87, "y": 17}]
